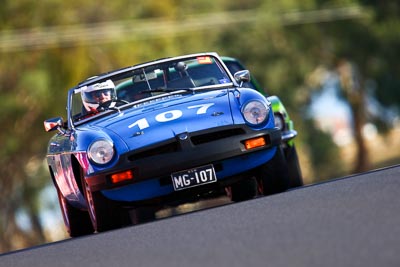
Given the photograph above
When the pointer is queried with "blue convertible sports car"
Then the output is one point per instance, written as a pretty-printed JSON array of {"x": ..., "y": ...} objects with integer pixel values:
[{"x": 166, "y": 132}]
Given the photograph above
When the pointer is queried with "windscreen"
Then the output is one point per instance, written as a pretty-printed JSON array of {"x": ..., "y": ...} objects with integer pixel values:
[{"x": 152, "y": 80}]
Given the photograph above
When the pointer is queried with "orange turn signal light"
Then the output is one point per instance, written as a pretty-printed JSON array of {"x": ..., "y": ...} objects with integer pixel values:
[
  {"x": 121, "y": 176},
  {"x": 254, "y": 143}
]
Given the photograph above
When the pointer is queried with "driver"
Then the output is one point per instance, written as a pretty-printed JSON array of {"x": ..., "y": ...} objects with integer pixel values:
[{"x": 97, "y": 96}]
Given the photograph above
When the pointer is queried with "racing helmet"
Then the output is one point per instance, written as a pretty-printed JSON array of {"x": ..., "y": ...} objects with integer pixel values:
[{"x": 92, "y": 95}]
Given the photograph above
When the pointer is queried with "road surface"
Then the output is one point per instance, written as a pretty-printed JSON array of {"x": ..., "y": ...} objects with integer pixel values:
[{"x": 352, "y": 221}]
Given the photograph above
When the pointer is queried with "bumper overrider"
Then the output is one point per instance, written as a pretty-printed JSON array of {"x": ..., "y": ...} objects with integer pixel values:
[{"x": 185, "y": 151}]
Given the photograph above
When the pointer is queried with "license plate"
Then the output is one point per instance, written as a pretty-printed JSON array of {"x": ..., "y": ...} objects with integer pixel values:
[{"x": 193, "y": 177}]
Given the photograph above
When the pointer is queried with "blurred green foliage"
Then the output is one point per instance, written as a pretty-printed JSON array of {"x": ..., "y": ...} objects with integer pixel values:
[{"x": 281, "y": 42}]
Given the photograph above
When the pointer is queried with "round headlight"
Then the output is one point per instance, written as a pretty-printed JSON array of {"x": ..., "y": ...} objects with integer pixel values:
[
  {"x": 101, "y": 151},
  {"x": 255, "y": 112}
]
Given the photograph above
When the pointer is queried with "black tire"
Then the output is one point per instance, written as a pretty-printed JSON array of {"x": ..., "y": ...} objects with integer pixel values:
[
  {"x": 143, "y": 214},
  {"x": 104, "y": 213},
  {"x": 243, "y": 190},
  {"x": 76, "y": 221},
  {"x": 273, "y": 177},
  {"x": 295, "y": 176}
]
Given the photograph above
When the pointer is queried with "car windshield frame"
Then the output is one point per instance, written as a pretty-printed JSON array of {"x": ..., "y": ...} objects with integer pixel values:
[{"x": 152, "y": 81}]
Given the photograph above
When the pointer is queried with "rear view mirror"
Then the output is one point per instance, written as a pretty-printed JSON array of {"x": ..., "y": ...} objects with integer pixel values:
[
  {"x": 242, "y": 76},
  {"x": 53, "y": 124}
]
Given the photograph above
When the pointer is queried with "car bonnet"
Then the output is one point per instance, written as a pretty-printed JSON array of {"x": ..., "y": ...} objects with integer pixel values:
[{"x": 156, "y": 122}]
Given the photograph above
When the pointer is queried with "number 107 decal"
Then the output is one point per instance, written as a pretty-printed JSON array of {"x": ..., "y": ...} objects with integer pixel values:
[{"x": 170, "y": 115}]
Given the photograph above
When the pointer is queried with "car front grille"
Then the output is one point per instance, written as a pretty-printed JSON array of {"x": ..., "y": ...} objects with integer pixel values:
[
  {"x": 158, "y": 150},
  {"x": 195, "y": 138},
  {"x": 214, "y": 136}
]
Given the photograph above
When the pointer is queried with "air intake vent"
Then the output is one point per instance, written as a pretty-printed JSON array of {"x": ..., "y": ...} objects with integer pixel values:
[
  {"x": 213, "y": 136},
  {"x": 163, "y": 149}
]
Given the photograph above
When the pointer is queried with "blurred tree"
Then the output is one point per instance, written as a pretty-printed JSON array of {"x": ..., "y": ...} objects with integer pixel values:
[
  {"x": 355, "y": 52},
  {"x": 292, "y": 41},
  {"x": 382, "y": 62},
  {"x": 324, "y": 152},
  {"x": 22, "y": 147}
]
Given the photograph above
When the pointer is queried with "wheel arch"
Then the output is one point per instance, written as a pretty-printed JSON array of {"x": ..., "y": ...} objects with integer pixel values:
[
  {"x": 73, "y": 173},
  {"x": 52, "y": 177},
  {"x": 77, "y": 172}
]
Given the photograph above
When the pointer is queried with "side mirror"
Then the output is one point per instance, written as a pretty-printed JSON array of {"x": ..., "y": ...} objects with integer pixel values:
[
  {"x": 242, "y": 76},
  {"x": 53, "y": 124}
]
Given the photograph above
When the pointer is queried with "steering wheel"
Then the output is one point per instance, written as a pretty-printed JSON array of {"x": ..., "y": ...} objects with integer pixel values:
[{"x": 106, "y": 105}]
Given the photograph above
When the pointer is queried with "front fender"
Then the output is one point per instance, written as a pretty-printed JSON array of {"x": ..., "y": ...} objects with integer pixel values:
[{"x": 64, "y": 176}]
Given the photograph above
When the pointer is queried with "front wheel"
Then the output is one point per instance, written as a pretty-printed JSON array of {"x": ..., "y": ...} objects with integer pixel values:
[
  {"x": 295, "y": 176},
  {"x": 273, "y": 176},
  {"x": 143, "y": 214},
  {"x": 104, "y": 213},
  {"x": 242, "y": 190},
  {"x": 77, "y": 221}
]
